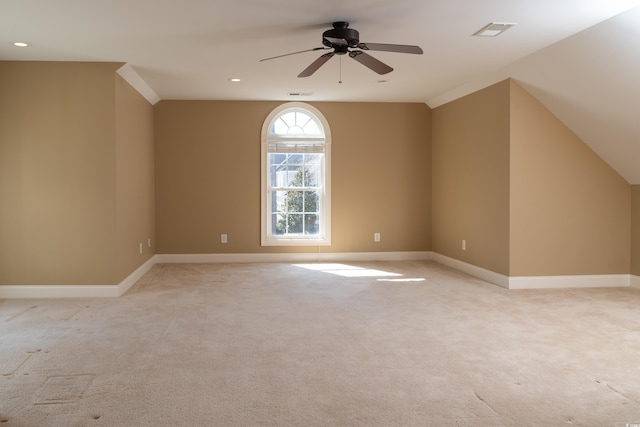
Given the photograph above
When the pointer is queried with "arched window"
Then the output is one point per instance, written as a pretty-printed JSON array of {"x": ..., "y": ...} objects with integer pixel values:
[{"x": 296, "y": 178}]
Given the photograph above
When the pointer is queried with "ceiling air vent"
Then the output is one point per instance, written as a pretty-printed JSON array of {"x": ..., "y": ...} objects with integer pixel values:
[
  {"x": 300, "y": 93},
  {"x": 494, "y": 29}
]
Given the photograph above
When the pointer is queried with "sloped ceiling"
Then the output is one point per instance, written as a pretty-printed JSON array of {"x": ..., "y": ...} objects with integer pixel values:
[
  {"x": 590, "y": 81},
  {"x": 579, "y": 57}
]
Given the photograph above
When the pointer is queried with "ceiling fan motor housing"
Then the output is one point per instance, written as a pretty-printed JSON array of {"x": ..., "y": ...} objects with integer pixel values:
[{"x": 340, "y": 37}]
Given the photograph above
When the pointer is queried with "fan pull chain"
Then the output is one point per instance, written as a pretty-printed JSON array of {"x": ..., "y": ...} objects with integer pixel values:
[{"x": 340, "y": 68}]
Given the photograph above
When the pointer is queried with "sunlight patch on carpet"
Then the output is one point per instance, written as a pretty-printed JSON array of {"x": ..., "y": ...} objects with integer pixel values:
[{"x": 346, "y": 270}]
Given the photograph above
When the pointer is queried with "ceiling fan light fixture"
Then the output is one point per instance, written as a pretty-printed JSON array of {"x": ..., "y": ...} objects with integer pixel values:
[
  {"x": 340, "y": 40},
  {"x": 494, "y": 29}
]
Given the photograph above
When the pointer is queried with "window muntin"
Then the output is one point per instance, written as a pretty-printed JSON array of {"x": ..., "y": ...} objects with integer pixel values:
[
  {"x": 296, "y": 182},
  {"x": 294, "y": 123}
]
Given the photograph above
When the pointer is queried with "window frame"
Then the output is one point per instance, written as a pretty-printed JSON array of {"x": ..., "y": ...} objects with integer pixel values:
[{"x": 268, "y": 238}]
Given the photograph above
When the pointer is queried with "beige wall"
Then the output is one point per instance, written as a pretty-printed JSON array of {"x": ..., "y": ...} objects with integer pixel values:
[
  {"x": 471, "y": 178},
  {"x": 135, "y": 178},
  {"x": 528, "y": 196},
  {"x": 59, "y": 192},
  {"x": 570, "y": 212},
  {"x": 635, "y": 230},
  {"x": 208, "y": 176},
  {"x": 57, "y": 180},
  {"x": 82, "y": 184}
]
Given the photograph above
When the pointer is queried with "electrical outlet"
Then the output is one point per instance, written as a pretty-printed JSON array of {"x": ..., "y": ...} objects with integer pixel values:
[
  {"x": 464, "y": 245},
  {"x": 223, "y": 238},
  {"x": 376, "y": 237}
]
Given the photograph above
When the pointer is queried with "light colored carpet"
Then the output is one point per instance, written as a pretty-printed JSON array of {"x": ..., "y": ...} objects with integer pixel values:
[{"x": 322, "y": 345}]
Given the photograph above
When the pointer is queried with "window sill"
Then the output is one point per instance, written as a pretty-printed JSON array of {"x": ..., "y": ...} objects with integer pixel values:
[{"x": 295, "y": 242}]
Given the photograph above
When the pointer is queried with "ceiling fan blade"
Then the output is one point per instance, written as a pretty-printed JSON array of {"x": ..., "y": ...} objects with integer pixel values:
[
  {"x": 400, "y": 48},
  {"x": 316, "y": 64},
  {"x": 294, "y": 53},
  {"x": 370, "y": 62}
]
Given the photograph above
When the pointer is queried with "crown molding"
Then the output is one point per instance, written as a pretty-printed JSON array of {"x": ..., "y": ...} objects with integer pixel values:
[{"x": 133, "y": 78}]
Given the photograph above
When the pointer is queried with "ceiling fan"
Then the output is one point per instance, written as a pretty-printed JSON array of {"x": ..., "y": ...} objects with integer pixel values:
[{"x": 346, "y": 41}]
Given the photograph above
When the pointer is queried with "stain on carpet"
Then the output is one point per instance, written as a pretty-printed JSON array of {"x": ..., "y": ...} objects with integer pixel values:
[
  {"x": 14, "y": 361},
  {"x": 21, "y": 312},
  {"x": 63, "y": 389}
]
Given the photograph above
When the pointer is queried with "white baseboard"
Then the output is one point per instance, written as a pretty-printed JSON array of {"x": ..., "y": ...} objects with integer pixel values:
[
  {"x": 475, "y": 271},
  {"x": 514, "y": 282},
  {"x": 58, "y": 291},
  {"x": 76, "y": 291},
  {"x": 540, "y": 282},
  {"x": 99, "y": 291},
  {"x": 560, "y": 282},
  {"x": 135, "y": 276},
  {"x": 293, "y": 257}
]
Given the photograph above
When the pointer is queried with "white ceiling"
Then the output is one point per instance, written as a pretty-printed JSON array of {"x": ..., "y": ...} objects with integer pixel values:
[{"x": 581, "y": 58}]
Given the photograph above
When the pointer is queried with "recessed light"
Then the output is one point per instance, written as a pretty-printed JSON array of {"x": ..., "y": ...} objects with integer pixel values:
[
  {"x": 21, "y": 44},
  {"x": 234, "y": 80},
  {"x": 494, "y": 29}
]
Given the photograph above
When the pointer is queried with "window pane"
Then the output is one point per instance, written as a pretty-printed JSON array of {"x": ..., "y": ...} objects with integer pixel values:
[
  {"x": 277, "y": 172},
  {"x": 312, "y": 158},
  {"x": 289, "y": 119},
  {"x": 302, "y": 119},
  {"x": 278, "y": 201},
  {"x": 296, "y": 130},
  {"x": 294, "y": 223},
  {"x": 280, "y": 127},
  {"x": 278, "y": 224},
  {"x": 312, "y": 176},
  {"x": 311, "y": 201},
  {"x": 293, "y": 178},
  {"x": 277, "y": 158},
  {"x": 295, "y": 159},
  {"x": 273, "y": 175},
  {"x": 295, "y": 201},
  {"x": 311, "y": 128},
  {"x": 311, "y": 225}
]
